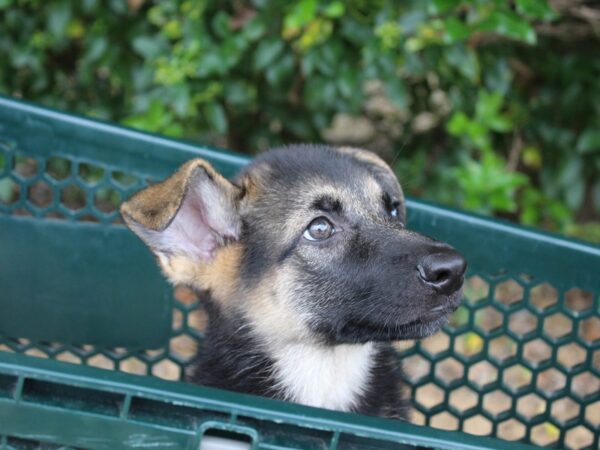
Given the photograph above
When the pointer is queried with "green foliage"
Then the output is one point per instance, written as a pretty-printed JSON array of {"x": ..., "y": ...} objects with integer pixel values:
[{"x": 511, "y": 118}]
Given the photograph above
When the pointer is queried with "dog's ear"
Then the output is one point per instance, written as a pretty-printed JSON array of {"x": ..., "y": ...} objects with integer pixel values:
[{"x": 185, "y": 218}]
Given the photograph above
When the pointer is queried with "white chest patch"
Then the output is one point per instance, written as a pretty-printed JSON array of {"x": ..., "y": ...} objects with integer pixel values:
[{"x": 322, "y": 376}]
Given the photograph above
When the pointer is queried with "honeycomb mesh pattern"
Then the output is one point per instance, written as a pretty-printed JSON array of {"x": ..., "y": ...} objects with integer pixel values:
[{"x": 519, "y": 360}]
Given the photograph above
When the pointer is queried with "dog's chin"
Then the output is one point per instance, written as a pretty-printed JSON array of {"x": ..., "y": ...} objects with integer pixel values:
[{"x": 381, "y": 329}]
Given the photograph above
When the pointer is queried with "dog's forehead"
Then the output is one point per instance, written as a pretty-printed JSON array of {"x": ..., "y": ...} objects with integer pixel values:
[{"x": 301, "y": 176}]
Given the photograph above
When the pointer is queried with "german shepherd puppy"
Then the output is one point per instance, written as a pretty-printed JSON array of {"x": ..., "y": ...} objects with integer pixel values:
[{"x": 309, "y": 270}]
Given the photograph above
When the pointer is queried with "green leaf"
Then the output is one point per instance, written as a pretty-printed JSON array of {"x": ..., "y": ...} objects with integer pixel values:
[
  {"x": 266, "y": 53},
  {"x": 96, "y": 48},
  {"x": 220, "y": 24},
  {"x": 58, "y": 18},
  {"x": 281, "y": 70},
  {"x": 510, "y": 25},
  {"x": 589, "y": 141},
  {"x": 442, "y": 6},
  {"x": 303, "y": 12},
  {"x": 536, "y": 9},
  {"x": 458, "y": 124},
  {"x": 334, "y": 10},
  {"x": 254, "y": 29},
  {"x": 348, "y": 82},
  {"x": 148, "y": 47},
  {"x": 465, "y": 60},
  {"x": 215, "y": 116},
  {"x": 396, "y": 90},
  {"x": 455, "y": 30}
]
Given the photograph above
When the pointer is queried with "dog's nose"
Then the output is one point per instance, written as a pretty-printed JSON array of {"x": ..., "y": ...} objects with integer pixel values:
[{"x": 443, "y": 270}]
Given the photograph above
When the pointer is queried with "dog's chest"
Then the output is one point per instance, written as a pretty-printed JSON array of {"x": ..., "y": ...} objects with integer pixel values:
[{"x": 327, "y": 377}]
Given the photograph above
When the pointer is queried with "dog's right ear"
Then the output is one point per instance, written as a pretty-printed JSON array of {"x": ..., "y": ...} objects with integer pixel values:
[{"x": 186, "y": 218}]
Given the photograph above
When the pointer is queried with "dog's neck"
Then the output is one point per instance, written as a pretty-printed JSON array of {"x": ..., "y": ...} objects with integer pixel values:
[
  {"x": 326, "y": 376},
  {"x": 360, "y": 378}
]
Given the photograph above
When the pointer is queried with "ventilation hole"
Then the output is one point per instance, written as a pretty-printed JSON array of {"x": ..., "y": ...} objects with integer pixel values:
[
  {"x": 565, "y": 409},
  {"x": 90, "y": 174},
  {"x": 430, "y": 395},
  {"x": 530, "y": 406},
  {"x": 522, "y": 323},
  {"x": 463, "y": 399},
  {"x": 9, "y": 191},
  {"x": 478, "y": 425},
  {"x": 167, "y": 369},
  {"x": 502, "y": 348},
  {"x": 545, "y": 434},
  {"x": 416, "y": 367},
  {"x": 124, "y": 179},
  {"x": 7, "y": 385},
  {"x": 101, "y": 362},
  {"x": 25, "y": 167},
  {"x": 511, "y": 430},
  {"x": 589, "y": 329},
  {"x": 537, "y": 351},
  {"x": 71, "y": 397},
  {"x": 488, "y": 319},
  {"x": 73, "y": 197},
  {"x": 107, "y": 200},
  {"x": 468, "y": 344},
  {"x": 435, "y": 344},
  {"x": 578, "y": 300},
  {"x": 475, "y": 289},
  {"x": 497, "y": 402},
  {"x": 214, "y": 439},
  {"x": 584, "y": 385},
  {"x": 445, "y": 421},
  {"x": 40, "y": 194},
  {"x": 26, "y": 444},
  {"x": 483, "y": 374},
  {"x": 579, "y": 437},
  {"x": 449, "y": 370},
  {"x": 508, "y": 292},
  {"x": 543, "y": 296},
  {"x": 571, "y": 355},
  {"x": 557, "y": 325},
  {"x": 58, "y": 168}
]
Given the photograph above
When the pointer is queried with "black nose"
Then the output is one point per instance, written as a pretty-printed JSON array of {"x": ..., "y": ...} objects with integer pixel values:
[{"x": 443, "y": 270}]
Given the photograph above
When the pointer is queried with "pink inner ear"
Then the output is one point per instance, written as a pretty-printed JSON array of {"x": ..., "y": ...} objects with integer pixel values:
[
  {"x": 189, "y": 232},
  {"x": 206, "y": 218}
]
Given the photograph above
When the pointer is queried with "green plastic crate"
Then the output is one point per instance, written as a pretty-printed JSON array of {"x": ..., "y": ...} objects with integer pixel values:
[{"x": 79, "y": 294}]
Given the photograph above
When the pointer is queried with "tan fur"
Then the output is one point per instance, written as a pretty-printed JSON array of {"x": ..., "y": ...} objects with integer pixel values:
[
  {"x": 371, "y": 158},
  {"x": 270, "y": 308},
  {"x": 220, "y": 275},
  {"x": 366, "y": 156}
]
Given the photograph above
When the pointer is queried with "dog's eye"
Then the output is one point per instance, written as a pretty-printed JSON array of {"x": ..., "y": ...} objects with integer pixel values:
[
  {"x": 319, "y": 229},
  {"x": 395, "y": 210}
]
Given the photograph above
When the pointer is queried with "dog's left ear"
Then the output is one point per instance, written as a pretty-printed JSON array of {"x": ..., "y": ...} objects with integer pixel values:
[{"x": 187, "y": 217}]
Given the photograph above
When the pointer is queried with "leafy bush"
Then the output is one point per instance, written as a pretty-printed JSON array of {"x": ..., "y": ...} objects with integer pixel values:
[{"x": 488, "y": 105}]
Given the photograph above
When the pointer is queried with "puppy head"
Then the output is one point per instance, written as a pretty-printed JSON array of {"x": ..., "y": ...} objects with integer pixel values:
[{"x": 308, "y": 243}]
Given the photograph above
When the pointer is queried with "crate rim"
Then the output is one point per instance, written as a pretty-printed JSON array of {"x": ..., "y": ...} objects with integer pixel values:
[{"x": 196, "y": 396}]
